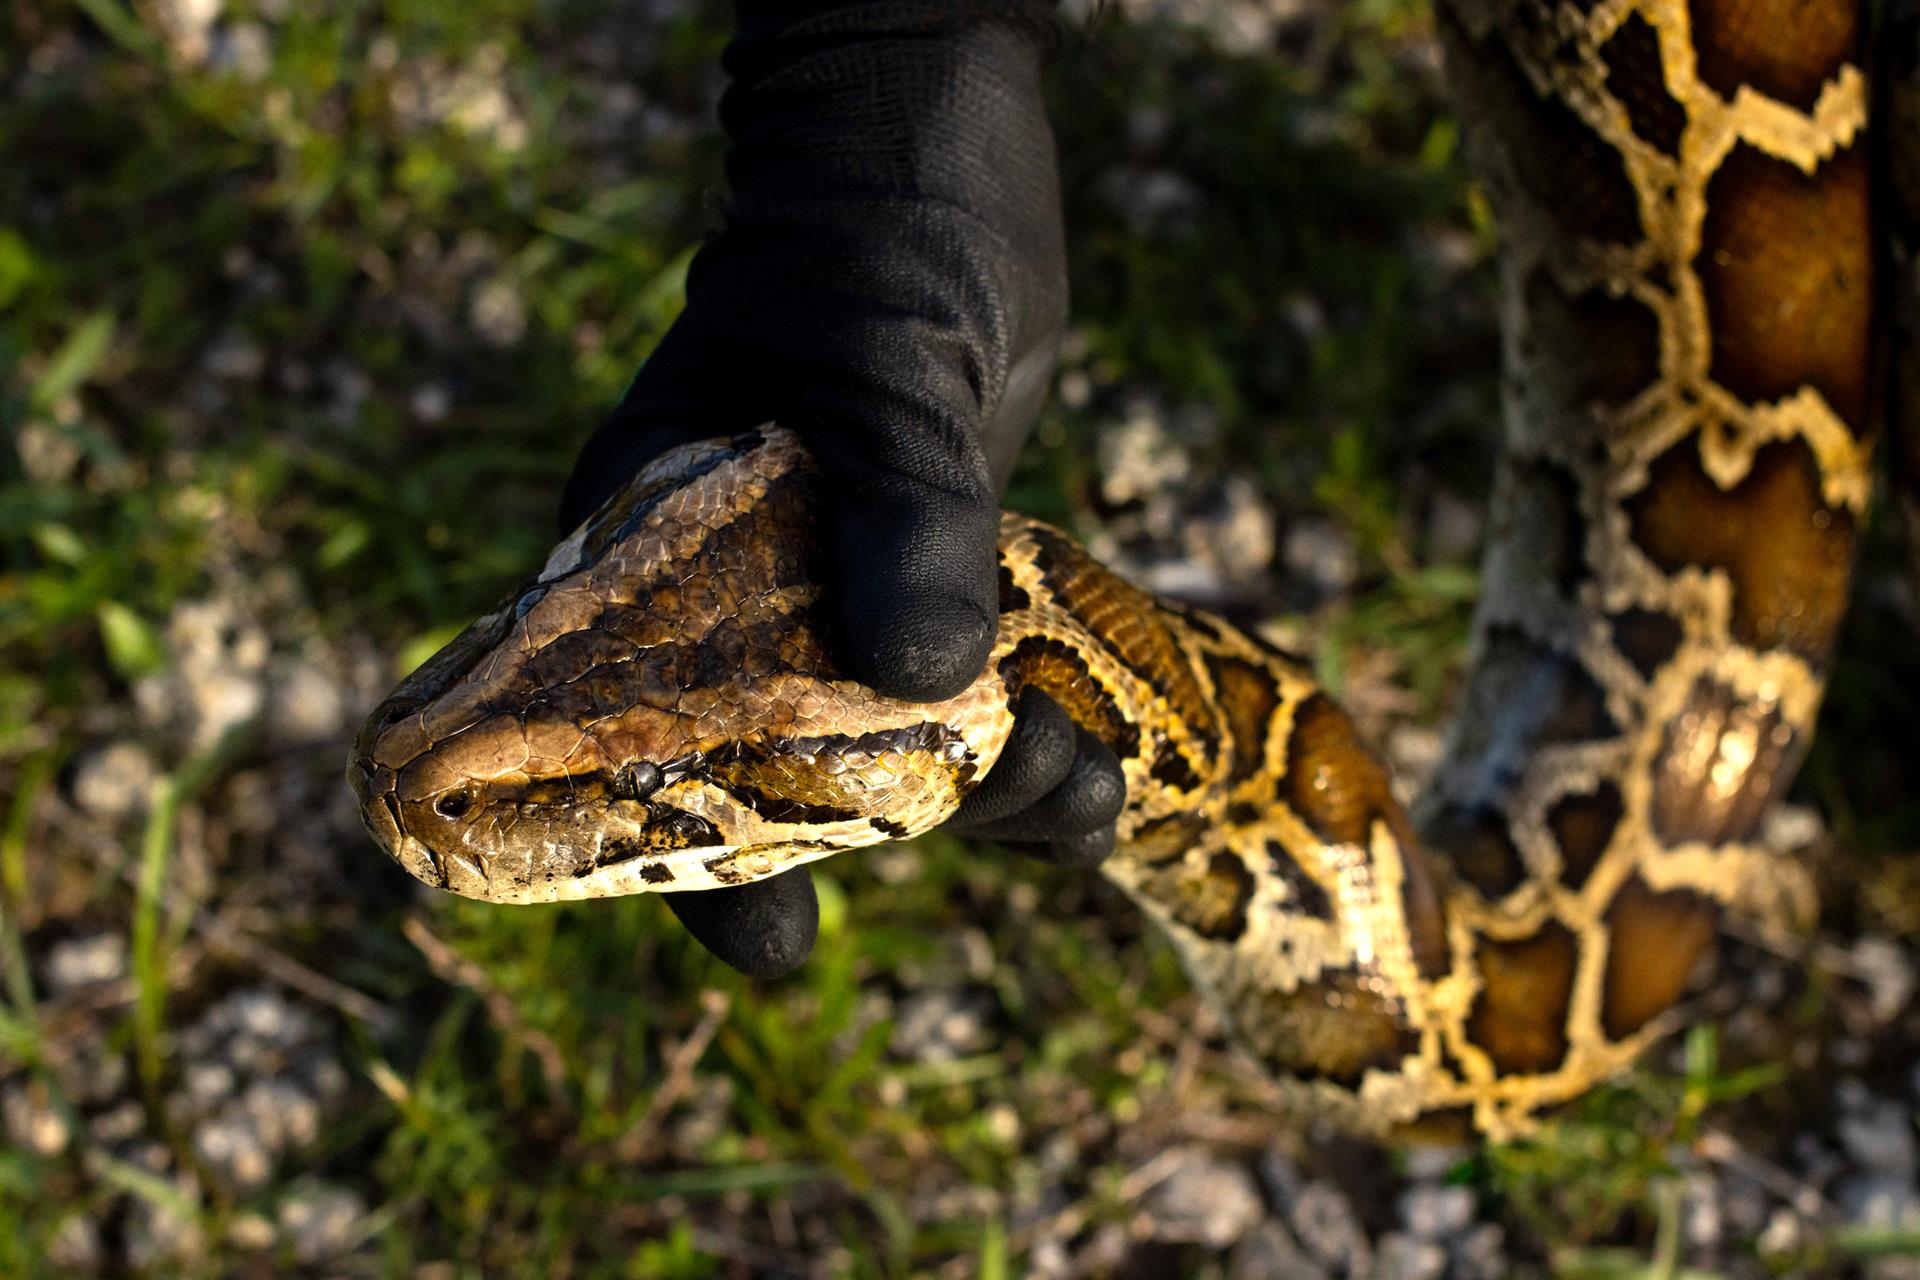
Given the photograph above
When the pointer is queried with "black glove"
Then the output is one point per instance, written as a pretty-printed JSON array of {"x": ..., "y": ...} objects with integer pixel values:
[{"x": 890, "y": 283}]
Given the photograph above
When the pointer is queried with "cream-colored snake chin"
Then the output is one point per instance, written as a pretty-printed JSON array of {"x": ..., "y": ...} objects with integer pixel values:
[{"x": 1688, "y": 286}]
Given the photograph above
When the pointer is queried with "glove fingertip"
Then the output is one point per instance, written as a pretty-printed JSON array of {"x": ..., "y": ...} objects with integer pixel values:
[
  {"x": 914, "y": 646},
  {"x": 1100, "y": 781},
  {"x": 1037, "y": 757},
  {"x": 913, "y": 566},
  {"x": 1083, "y": 851},
  {"x": 765, "y": 929}
]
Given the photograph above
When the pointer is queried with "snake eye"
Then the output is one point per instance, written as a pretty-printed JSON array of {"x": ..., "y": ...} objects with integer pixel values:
[
  {"x": 453, "y": 804},
  {"x": 636, "y": 781}
]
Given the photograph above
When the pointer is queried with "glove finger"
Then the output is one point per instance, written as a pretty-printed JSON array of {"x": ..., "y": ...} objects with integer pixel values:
[
  {"x": 1081, "y": 852},
  {"x": 764, "y": 929},
  {"x": 1035, "y": 760},
  {"x": 915, "y": 569},
  {"x": 1088, "y": 798},
  {"x": 1073, "y": 853}
]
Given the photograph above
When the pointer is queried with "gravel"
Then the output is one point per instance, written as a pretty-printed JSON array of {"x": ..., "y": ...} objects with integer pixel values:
[
  {"x": 257, "y": 1078},
  {"x": 320, "y": 1222},
  {"x": 940, "y": 1024},
  {"x": 114, "y": 781},
  {"x": 1398, "y": 1256},
  {"x": 93, "y": 960},
  {"x": 1436, "y": 1213},
  {"x": 1204, "y": 1200},
  {"x": 1269, "y": 1252},
  {"x": 1324, "y": 1222}
]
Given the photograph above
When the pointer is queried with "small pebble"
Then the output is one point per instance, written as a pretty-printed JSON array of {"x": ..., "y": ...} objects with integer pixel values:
[
  {"x": 1204, "y": 1200},
  {"x": 320, "y": 1222},
  {"x": 1882, "y": 964},
  {"x": 84, "y": 962},
  {"x": 1788, "y": 827},
  {"x": 1327, "y": 1228},
  {"x": 1783, "y": 1233},
  {"x": 1879, "y": 1133},
  {"x": 75, "y": 1248},
  {"x": 1322, "y": 553},
  {"x": 1702, "y": 1219},
  {"x": 1436, "y": 1213},
  {"x": 941, "y": 1024},
  {"x": 1877, "y": 1200},
  {"x": 1281, "y": 1178},
  {"x": 157, "y": 1235},
  {"x": 31, "y": 1120},
  {"x": 114, "y": 782},
  {"x": 234, "y": 355},
  {"x": 306, "y": 704},
  {"x": 118, "y": 1124},
  {"x": 497, "y": 313},
  {"x": 251, "y": 1231},
  {"x": 1481, "y": 1254},
  {"x": 1269, "y": 1253},
  {"x": 208, "y": 1081},
  {"x": 1398, "y": 1256},
  {"x": 234, "y": 1150}
]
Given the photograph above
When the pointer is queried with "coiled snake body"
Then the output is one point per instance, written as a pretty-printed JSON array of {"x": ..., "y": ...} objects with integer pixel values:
[{"x": 1688, "y": 304}]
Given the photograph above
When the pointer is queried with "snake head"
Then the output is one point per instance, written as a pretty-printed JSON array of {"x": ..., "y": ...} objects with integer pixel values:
[{"x": 656, "y": 709}]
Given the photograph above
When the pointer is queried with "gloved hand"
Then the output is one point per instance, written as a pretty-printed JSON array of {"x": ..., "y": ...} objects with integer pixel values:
[{"x": 890, "y": 283}]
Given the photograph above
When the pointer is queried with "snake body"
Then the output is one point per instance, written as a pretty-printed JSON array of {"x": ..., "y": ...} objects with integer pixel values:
[{"x": 1688, "y": 307}]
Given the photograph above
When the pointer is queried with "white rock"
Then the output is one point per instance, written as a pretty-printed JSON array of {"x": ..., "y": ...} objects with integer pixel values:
[
  {"x": 157, "y": 1234},
  {"x": 1322, "y": 553},
  {"x": 114, "y": 782},
  {"x": 321, "y": 1222},
  {"x": 1789, "y": 827},
  {"x": 208, "y": 1082},
  {"x": 940, "y": 1024},
  {"x": 430, "y": 402},
  {"x": 75, "y": 1247},
  {"x": 234, "y": 355},
  {"x": 1436, "y": 1212},
  {"x": 84, "y": 962},
  {"x": 497, "y": 313},
  {"x": 31, "y": 1120},
  {"x": 1327, "y": 1228},
  {"x": 1401, "y": 1257},
  {"x": 1137, "y": 457},
  {"x": 1481, "y": 1254},
  {"x": 1269, "y": 1253},
  {"x": 1883, "y": 965},
  {"x": 234, "y": 1149},
  {"x": 251, "y": 1231},
  {"x": 187, "y": 23},
  {"x": 244, "y": 51},
  {"x": 1782, "y": 1234},
  {"x": 1205, "y": 1201},
  {"x": 307, "y": 703},
  {"x": 1880, "y": 1135},
  {"x": 118, "y": 1124},
  {"x": 1881, "y": 1201}
]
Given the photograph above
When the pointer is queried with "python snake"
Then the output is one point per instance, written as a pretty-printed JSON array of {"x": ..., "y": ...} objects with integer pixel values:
[{"x": 1688, "y": 295}]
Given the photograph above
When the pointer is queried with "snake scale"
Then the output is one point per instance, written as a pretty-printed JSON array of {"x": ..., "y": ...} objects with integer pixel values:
[{"x": 1688, "y": 296}]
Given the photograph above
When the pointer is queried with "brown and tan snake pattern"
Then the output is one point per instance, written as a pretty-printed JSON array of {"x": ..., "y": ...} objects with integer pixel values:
[{"x": 1688, "y": 293}]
